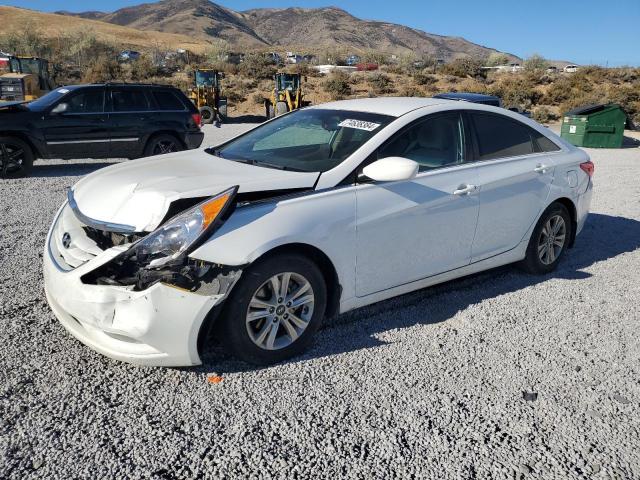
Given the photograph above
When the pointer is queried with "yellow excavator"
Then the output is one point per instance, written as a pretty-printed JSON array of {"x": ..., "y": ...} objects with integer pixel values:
[
  {"x": 205, "y": 93},
  {"x": 24, "y": 78},
  {"x": 287, "y": 95}
]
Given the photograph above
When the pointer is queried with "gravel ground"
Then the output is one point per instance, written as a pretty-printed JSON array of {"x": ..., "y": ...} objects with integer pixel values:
[{"x": 502, "y": 375}]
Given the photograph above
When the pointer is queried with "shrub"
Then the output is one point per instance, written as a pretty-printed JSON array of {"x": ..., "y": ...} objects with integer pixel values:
[
  {"x": 337, "y": 86},
  {"x": 256, "y": 66},
  {"x": 465, "y": 67},
  {"x": 497, "y": 58},
  {"x": 535, "y": 62},
  {"x": 422, "y": 78},
  {"x": 544, "y": 115},
  {"x": 101, "y": 70},
  {"x": 380, "y": 83},
  {"x": 515, "y": 91}
]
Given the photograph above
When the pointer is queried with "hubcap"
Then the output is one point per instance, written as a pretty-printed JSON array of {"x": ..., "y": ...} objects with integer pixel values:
[
  {"x": 11, "y": 158},
  {"x": 552, "y": 239},
  {"x": 280, "y": 311}
]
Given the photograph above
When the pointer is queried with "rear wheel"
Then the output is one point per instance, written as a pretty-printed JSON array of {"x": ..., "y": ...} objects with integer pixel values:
[
  {"x": 275, "y": 309},
  {"x": 161, "y": 144},
  {"x": 281, "y": 108},
  {"x": 549, "y": 240},
  {"x": 16, "y": 158},
  {"x": 207, "y": 114}
]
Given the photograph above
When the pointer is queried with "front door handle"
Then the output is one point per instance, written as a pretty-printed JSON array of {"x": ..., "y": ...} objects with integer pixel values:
[
  {"x": 465, "y": 190},
  {"x": 540, "y": 168}
]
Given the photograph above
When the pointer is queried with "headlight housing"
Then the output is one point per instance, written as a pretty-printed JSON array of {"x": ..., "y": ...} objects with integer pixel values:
[
  {"x": 163, "y": 254},
  {"x": 182, "y": 233}
]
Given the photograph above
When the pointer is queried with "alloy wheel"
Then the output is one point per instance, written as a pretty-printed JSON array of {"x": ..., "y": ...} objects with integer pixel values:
[
  {"x": 280, "y": 311},
  {"x": 552, "y": 239},
  {"x": 11, "y": 159},
  {"x": 165, "y": 146}
]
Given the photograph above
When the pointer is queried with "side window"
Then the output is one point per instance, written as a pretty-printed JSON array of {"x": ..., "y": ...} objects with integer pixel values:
[
  {"x": 433, "y": 143},
  {"x": 500, "y": 137},
  {"x": 543, "y": 144},
  {"x": 167, "y": 100},
  {"x": 89, "y": 101},
  {"x": 129, "y": 100}
]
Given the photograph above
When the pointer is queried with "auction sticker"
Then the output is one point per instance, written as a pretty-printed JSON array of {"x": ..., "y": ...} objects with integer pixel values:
[{"x": 359, "y": 124}]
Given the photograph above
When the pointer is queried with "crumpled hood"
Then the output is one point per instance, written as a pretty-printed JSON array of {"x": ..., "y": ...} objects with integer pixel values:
[{"x": 138, "y": 193}]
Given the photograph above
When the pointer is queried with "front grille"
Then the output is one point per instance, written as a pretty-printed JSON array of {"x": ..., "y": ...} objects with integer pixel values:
[{"x": 69, "y": 244}]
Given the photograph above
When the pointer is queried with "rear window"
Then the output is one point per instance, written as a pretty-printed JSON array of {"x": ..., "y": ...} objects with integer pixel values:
[
  {"x": 129, "y": 100},
  {"x": 500, "y": 137},
  {"x": 167, "y": 100}
]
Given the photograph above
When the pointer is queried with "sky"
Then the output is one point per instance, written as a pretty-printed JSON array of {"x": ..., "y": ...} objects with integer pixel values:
[{"x": 581, "y": 31}]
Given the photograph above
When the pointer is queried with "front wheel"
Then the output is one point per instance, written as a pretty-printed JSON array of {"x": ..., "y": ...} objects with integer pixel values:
[
  {"x": 16, "y": 158},
  {"x": 549, "y": 240},
  {"x": 161, "y": 144},
  {"x": 275, "y": 309}
]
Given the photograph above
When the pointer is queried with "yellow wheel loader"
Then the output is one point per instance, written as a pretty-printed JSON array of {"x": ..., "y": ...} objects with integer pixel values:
[
  {"x": 287, "y": 95},
  {"x": 26, "y": 79},
  {"x": 205, "y": 93}
]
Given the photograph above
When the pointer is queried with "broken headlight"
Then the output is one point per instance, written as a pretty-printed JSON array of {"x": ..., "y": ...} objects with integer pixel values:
[{"x": 162, "y": 255}]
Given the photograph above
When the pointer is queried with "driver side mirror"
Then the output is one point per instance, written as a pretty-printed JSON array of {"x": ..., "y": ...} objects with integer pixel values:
[
  {"x": 60, "y": 108},
  {"x": 392, "y": 169}
]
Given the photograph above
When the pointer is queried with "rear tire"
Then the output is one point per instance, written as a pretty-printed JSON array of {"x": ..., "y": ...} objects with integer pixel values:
[
  {"x": 161, "y": 144},
  {"x": 254, "y": 310},
  {"x": 549, "y": 240},
  {"x": 208, "y": 115},
  {"x": 281, "y": 108},
  {"x": 16, "y": 158}
]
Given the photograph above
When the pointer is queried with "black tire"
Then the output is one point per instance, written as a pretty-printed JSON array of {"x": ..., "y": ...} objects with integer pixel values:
[
  {"x": 161, "y": 144},
  {"x": 233, "y": 330},
  {"x": 538, "y": 260},
  {"x": 208, "y": 115},
  {"x": 16, "y": 158},
  {"x": 281, "y": 108}
]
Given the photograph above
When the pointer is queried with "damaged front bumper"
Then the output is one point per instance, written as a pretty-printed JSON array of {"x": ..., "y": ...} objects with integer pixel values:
[{"x": 157, "y": 326}]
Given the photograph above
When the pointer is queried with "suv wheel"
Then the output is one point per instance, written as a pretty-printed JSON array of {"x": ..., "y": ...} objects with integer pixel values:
[
  {"x": 162, "y": 144},
  {"x": 549, "y": 240},
  {"x": 16, "y": 158},
  {"x": 274, "y": 310}
]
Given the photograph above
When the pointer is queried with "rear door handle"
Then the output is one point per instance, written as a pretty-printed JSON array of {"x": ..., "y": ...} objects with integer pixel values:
[
  {"x": 540, "y": 168},
  {"x": 465, "y": 190}
]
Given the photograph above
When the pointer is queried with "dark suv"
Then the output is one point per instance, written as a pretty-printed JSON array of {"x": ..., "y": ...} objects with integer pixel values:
[{"x": 96, "y": 121}]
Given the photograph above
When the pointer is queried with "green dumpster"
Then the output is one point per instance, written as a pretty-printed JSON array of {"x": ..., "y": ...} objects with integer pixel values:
[{"x": 596, "y": 126}]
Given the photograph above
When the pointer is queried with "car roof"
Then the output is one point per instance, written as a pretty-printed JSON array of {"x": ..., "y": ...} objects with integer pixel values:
[
  {"x": 470, "y": 97},
  {"x": 394, "y": 106}
]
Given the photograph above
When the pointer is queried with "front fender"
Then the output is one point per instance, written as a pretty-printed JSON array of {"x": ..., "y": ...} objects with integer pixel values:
[{"x": 324, "y": 220}]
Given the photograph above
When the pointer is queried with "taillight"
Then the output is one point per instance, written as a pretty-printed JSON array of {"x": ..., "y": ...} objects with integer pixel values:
[
  {"x": 588, "y": 168},
  {"x": 197, "y": 118}
]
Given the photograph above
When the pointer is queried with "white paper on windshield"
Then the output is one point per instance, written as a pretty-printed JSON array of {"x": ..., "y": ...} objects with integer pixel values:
[
  {"x": 62, "y": 90},
  {"x": 359, "y": 124}
]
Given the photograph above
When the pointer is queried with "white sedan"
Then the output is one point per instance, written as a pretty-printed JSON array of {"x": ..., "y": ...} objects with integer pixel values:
[{"x": 312, "y": 214}]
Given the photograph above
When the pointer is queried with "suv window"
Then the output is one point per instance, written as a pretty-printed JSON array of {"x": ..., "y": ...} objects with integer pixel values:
[
  {"x": 500, "y": 137},
  {"x": 129, "y": 100},
  {"x": 167, "y": 100},
  {"x": 89, "y": 101},
  {"x": 434, "y": 143}
]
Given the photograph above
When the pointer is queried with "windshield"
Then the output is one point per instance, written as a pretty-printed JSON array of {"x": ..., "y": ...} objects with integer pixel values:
[
  {"x": 48, "y": 99},
  {"x": 308, "y": 140},
  {"x": 207, "y": 79}
]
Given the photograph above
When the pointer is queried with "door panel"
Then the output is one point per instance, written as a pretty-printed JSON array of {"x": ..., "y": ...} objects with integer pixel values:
[
  {"x": 411, "y": 230},
  {"x": 130, "y": 116},
  {"x": 80, "y": 132},
  {"x": 512, "y": 194}
]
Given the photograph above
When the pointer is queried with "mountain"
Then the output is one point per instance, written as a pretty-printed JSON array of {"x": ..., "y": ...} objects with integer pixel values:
[
  {"x": 306, "y": 28},
  {"x": 53, "y": 25}
]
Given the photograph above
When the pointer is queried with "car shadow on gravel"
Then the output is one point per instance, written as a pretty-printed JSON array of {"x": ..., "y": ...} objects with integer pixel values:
[
  {"x": 602, "y": 238},
  {"x": 49, "y": 170}
]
